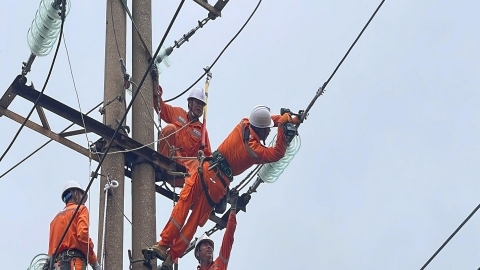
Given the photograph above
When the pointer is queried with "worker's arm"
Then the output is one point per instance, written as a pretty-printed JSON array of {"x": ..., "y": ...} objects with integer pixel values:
[
  {"x": 168, "y": 113},
  {"x": 276, "y": 119},
  {"x": 227, "y": 242},
  {"x": 270, "y": 154},
  {"x": 84, "y": 241}
]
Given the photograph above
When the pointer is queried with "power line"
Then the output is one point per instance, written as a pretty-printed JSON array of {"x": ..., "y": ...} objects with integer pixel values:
[
  {"x": 44, "y": 85},
  {"x": 76, "y": 92},
  {"x": 218, "y": 57},
  {"x": 320, "y": 91},
  {"x": 121, "y": 121},
  {"x": 450, "y": 237}
]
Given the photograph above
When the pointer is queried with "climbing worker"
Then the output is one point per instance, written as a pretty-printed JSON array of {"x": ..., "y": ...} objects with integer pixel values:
[
  {"x": 183, "y": 132},
  {"x": 209, "y": 183},
  {"x": 204, "y": 247},
  {"x": 76, "y": 246}
]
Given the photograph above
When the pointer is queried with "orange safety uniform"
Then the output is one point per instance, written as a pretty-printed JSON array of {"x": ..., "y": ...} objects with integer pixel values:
[
  {"x": 221, "y": 262},
  {"x": 240, "y": 155},
  {"x": 186, "y": 136},
  {"x": 77, "y": 236}
]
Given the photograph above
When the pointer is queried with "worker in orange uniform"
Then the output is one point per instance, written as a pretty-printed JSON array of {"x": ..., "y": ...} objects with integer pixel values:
[
  {"x": 183, "y": 132},
  {"x": 205, "y": 246},
  {"x": 76, "y": 245},
  {"x": 209, "y": 183}
]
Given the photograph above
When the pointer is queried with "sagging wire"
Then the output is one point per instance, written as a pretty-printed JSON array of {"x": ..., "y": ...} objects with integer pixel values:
[
  {"x": 76, "y": 92},
  {"x": 145, "y": 145},
  {"x": 119, "y": 126},
  {"x": 62, "y": 16},
  {"x": 110, "y": 184},
  {"x": 218, "y": 57},
  {"x": 45, "y": 144}
]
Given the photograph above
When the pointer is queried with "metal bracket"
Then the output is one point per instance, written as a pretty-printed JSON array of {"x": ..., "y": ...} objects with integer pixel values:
[{"x": 212, "y": 10}]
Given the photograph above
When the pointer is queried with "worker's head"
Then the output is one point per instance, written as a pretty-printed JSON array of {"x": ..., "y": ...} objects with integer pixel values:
[
  {"x": 73, "y": 192},
  {"x": 261, "y": 121},
  {"x": 196, "y": 101},
  {"x": 204, "y": 249}
]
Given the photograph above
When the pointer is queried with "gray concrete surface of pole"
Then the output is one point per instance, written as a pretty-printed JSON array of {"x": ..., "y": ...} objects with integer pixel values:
[
  {"x": 113, "y": 165},
  {"x": 143, "y": 175}
]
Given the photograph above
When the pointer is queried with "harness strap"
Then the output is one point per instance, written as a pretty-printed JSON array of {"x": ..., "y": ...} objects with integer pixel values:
[
  {"x": 246, "y": 137},
  {"x": 204, "y": 185}
]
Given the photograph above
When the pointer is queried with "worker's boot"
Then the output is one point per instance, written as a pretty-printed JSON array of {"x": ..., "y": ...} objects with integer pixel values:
[
  {"x": 156, "y": 250},
  {"x": 168, "y": 263}
]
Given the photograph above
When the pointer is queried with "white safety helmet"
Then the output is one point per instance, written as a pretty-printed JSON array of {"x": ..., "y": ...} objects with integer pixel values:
[
  {"x": 203, "y": 238},
  {"x": 260, "y": 117},
  {"x": 199, "y": 94},
  {"x": 68, "y": 186}
]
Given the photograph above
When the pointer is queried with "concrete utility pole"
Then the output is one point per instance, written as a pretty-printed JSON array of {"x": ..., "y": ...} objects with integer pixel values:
[
  {"x": 143, "y": 174},
  {"x": 114, "y": 164}
]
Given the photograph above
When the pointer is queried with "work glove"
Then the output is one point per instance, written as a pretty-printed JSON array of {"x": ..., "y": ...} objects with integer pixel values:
[
  {"x": 96, "y": 266},
  {"x": 159, "y": 92},
  {"x": 285, "y": 118},
  {"x": 154, "y": 73},
  {"x": 295, "y": 120}
]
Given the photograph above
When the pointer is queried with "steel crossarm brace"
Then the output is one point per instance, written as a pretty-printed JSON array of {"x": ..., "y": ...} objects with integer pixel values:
[
  {"x": 19, "y": 88},
  {"x": 50, "y": 134}
]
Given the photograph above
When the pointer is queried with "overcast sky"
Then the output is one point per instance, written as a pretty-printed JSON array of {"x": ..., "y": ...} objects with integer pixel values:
[{"x": 389, "y": 162}]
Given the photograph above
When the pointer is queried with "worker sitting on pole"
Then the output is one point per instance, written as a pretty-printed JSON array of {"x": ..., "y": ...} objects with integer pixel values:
[
  {"x": 76, "y": 245},
  {"x": 182, "y": 136},
  {"x": 204, "y": 246},
  {"x": 209, "y": 183}
]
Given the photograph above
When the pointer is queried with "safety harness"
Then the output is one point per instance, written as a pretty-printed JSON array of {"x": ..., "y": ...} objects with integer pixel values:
[
  {"x": 66, "y": 256},
  {"x": 222, "y": 168},
  {"x": 246, "y": 138}
]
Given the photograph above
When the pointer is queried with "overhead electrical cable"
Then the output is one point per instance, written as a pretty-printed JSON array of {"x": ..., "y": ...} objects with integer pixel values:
[
  {"x": 320, "y": 91},
  {"x": 121, "y": 121},
  {"x": 206, "y": 70},
  {"x": 75, "y": 88},
  {"x": 44, "y": 85},
  {"x": 450, "y": 237}
]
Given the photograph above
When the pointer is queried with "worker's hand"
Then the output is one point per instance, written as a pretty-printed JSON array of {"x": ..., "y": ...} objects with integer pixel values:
[
  {"x": 159, "y": 92},
  {"x": 295, "y": 120},
  {"x": 96, "y": 266},
  {"x": 154, "y": 73},
  {"x": 233, "y": 198},
  {"x": 285, "y": 118}
]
